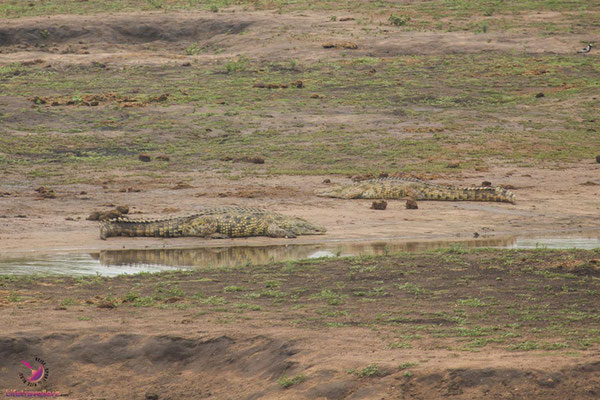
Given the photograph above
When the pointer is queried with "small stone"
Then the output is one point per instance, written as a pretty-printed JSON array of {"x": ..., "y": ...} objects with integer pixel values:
[
  {"x": 94, "y": 216},
  {"x": 598, "y": 158},
  {"x": 144, "y": 158},
  {"x": 182, "y": 185},
  {"x": 151, "y": 396},
  {"x": 476, "y": 235},
  {"x": 104, "y": 215},
  {"x": 186, "y": 64},
  {"x": 540, "y": 94},
  {"x": 340, "y": 45},
  {"x": 123, "y": 209},
  {"x": 383, "y": 175},
  {"x": 173, "y": 299},
  {"x": 379, "y": 205},
  {"x": 411, "y": 204},
  {"x": 107, "y": 304},
  {"x": 252, "y": 160},
  {"x": 112, "y": 214},
  {"x": 486, "y": 183},
  {"x": 46, "y": 193},
  {"x": 326, "y": 181}
]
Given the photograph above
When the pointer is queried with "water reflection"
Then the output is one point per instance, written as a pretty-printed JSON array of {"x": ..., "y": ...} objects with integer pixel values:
[
  {"x": 70, "y": 264},
  {"x": 232, "y": 256},
  {"x": 117, "y": 262},
  {"x": 558, "y": 243}
]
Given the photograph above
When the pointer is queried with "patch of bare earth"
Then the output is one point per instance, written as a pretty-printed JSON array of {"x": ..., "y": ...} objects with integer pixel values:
[
  {"x": 157, "y": 37},
  {"x": 548, "y": 202}
]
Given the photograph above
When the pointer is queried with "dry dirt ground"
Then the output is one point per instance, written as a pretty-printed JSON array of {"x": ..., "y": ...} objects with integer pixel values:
[
  {"x": 548, "y": 201},
  {"x": 180, "y": 352}
]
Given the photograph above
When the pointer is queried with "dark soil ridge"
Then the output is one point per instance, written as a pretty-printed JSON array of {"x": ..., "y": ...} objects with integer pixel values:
[
  {"x": 581, "y": 381},
  {"x": 125, "y": 30},
  {"x": 177, "y": 366},
  {"x": 162, "y": 358}
]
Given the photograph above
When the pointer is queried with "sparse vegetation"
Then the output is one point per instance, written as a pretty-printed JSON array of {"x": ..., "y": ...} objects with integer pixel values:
[
  {"x": 286, "y": 382},
  {"x": 398, "y": 20},
  {"x": 238, "y": 65},
  {"x": 453, "y": 85},
  {"x": 369, "y": 371}
]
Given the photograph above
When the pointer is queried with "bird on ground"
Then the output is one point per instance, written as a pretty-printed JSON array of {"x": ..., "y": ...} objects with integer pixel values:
[{"x": 587, "y": 49}]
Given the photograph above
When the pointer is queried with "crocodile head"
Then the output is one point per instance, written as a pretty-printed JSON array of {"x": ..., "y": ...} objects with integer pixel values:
[
  {"x": 299, "y": 226},
  {"x": 341, "y": 192}
]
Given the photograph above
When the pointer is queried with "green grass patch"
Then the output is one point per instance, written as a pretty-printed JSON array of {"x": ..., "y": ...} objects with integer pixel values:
[{"x": 286, "y": 382}]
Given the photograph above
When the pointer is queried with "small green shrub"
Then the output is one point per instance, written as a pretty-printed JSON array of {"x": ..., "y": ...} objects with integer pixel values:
[
  {"x": 239, "y": 65},
  {"x": 398, "y": 20},
  {"x": 286, "y": 382}
]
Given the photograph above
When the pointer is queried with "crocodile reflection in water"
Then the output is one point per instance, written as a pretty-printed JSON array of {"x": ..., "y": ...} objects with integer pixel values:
[{"x": 240, "y": 255}]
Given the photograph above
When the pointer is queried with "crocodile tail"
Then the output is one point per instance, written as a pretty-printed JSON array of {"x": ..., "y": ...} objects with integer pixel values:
[
  {"x": 480, "y": 193},
  {"x": 157, "y": 228}
]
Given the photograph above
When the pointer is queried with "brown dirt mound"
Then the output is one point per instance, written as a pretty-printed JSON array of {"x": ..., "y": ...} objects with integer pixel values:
[
  {"x": 92, "y": 100},
  {"x": 164, "y": 364},
  {"x": 579, "y": 382}
]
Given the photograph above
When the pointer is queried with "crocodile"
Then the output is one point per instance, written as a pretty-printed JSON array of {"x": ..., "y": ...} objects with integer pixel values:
[
  {"x": 400, "y": 188},
  {"x": 217, "y": 223}
]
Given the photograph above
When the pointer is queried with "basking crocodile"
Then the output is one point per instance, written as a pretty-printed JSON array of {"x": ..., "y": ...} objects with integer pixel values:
[
  {"x": 399, "y": 188},
  {"x": 220, "y": 222}
]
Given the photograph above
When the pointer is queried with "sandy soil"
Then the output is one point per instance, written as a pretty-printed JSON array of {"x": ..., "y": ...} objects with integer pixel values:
[{"x": 548, "y": 201}]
